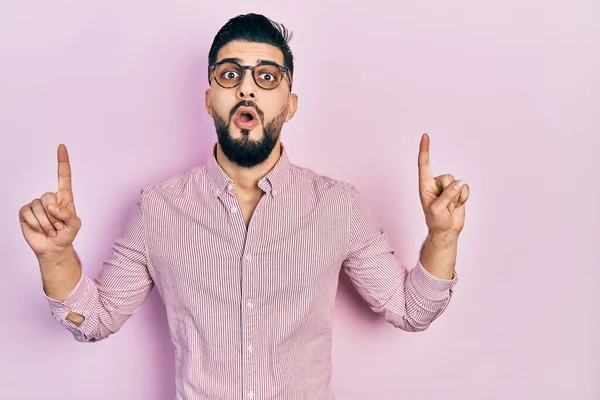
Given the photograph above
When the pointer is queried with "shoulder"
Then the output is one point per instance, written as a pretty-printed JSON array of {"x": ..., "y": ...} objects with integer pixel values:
[
  {"x": 178, "y": 185},
  {"x": 308, "y": 179}
]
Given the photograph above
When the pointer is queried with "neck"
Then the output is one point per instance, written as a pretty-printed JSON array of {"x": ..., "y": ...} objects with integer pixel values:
[{"x": 246, "y": 179}]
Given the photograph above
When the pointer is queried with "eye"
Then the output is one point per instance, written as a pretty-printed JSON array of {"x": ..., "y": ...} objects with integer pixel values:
[
  {"x": 267, "y": 77},
  {"x": 230, "y": 75}
]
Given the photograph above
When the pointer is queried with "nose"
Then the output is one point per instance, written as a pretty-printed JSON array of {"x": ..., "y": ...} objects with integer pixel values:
[{"x": 247, "y": 88}]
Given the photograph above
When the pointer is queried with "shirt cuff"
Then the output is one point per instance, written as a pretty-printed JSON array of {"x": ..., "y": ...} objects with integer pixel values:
[
  {"x": 429, "y": 286},
  {"x": 75, "y": 302}
]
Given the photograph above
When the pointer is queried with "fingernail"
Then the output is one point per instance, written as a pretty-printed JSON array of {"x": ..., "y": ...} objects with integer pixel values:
[
  {"x": 452, "y": 207},
  {"x": 458, "y": 185},
  {"x": 53, "y": 207},
  {"x": 52, "y": 233},
  {"x": 58, "y": 225}
]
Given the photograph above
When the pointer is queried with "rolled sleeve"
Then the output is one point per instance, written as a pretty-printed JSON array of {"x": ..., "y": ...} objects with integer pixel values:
[{"x": 431, "y": 287}]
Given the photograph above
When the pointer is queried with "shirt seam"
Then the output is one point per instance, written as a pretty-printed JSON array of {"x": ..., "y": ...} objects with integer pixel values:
[{"x": 144, "y": 239}]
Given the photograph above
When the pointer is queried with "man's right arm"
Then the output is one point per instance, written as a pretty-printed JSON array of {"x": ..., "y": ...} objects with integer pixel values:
[
  {"x": 90, "y": 309},
  {"x": 94, "y": 309}
]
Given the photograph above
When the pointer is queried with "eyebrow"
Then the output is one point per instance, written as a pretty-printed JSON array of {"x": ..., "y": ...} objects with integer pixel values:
[
  {"x": 240, "y": 61},
  {"x": 232, "y": 59}
]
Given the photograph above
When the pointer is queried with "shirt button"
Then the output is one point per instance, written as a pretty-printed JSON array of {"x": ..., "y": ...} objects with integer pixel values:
[
  {"x": 248, "y": 257},
  {"x": 249, "y": 304},
  {"x": 230, "y": 187},
  {"x": 274, "y": 192},
  {"x": 234, "y": 209},
  {"x": 217, "y": 193},
  {"x": 249, "y": 348},
  {"x": 250, "y": 394}
]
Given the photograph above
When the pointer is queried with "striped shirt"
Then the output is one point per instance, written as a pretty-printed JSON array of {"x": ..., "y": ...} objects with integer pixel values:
[{"x": 250, "y": 310}]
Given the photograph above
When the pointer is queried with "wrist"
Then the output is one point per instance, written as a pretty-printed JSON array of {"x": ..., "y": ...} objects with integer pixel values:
[
  {"x": 442, "y": 240},
  {"x": 56, "y": 258}
]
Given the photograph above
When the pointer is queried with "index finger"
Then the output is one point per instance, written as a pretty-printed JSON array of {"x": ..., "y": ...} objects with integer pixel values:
[
  {"x": 64, "y": 169},
  {"x": 424, "y": 164}
]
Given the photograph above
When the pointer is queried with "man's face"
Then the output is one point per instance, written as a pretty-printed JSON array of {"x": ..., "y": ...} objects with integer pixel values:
[{"x": 248, "y": 119}]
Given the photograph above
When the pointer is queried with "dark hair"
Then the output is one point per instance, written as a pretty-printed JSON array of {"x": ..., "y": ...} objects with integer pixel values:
[{"x": 254, "y": 28}]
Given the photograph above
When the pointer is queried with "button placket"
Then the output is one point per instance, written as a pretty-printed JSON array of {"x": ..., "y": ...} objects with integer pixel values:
[
  {"x": 250, "y": 346},
  {"x": 249, "y": 317},
  {"x": 232, "y": 209}
]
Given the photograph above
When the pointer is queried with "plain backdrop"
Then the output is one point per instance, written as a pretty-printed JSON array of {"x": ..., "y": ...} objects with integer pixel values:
[{"x": 509, "y": 92}]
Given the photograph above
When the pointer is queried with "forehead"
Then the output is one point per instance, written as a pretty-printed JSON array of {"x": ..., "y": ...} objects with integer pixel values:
[{"x": 250, "y": 52}]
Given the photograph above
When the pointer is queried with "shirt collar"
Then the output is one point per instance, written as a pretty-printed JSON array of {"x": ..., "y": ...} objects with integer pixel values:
[{"x": 270, "y": 183}]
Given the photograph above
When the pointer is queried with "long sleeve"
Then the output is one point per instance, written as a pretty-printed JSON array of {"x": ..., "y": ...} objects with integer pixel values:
[
  {"x": 408, "y": 299},
  {"x": 118, "y": 291}
]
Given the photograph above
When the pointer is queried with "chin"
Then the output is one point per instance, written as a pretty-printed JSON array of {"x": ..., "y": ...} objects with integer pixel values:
[{"x": 255, "y": 133}]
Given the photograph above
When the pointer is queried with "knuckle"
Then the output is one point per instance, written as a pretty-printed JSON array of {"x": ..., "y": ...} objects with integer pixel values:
[
  {"x": 48, "y": 198},
  {"x": 446, "y": 179}
]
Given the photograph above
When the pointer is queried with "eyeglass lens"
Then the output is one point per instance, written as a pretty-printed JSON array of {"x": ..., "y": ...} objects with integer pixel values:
[{"x": 230, "y": 74}]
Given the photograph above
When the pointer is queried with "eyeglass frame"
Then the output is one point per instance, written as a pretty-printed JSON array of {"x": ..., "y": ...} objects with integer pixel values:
[{"x": 243, "y": 68}]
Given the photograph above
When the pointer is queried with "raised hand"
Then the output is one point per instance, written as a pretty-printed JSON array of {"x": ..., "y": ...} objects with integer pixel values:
[
  {"x": 442, "y": 197},
  {"x": 50, "y": 223}
]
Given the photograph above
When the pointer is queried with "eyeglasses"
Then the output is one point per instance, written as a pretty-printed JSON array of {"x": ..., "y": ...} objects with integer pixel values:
[{"x": 267, "y": 75}]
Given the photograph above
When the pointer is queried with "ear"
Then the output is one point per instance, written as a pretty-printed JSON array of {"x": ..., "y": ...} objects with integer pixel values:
[
  {"x": 292, "y": 106},
  {"x": 207, "y": 104}
]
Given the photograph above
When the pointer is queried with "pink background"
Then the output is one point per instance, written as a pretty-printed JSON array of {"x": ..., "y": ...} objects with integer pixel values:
[{"x": 508, "y": 90}]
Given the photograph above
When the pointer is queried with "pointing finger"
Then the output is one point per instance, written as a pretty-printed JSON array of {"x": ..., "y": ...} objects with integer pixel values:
[
  {"x": 64, "y": 169},
  {"x": 424, "y": 164}
]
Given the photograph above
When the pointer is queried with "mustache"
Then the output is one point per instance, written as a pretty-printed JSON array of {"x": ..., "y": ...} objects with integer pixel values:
[{"x": 247, "y": 103}]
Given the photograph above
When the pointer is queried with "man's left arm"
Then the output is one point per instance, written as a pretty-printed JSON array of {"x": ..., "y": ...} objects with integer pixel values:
[{"x": 409, "y": 299}]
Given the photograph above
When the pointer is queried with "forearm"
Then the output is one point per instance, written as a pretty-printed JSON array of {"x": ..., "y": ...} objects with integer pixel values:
[
  {"x": 438, "y": 255},
  {"x": 60, "y": 274}
]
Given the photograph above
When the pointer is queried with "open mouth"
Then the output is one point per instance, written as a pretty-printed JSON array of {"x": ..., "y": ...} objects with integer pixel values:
[{"x": 245, "y": 118}]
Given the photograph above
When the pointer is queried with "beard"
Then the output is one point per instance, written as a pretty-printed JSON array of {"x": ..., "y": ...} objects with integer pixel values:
[{"x": 245, "y": 152}]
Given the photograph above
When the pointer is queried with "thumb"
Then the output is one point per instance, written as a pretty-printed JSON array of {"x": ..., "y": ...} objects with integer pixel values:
[
  {"x": 67, "y": 216},
  {"x": 449, "y": 195}
]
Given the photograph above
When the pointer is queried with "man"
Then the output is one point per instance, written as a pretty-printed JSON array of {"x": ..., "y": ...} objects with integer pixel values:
[{"x": 246, "y": 251}]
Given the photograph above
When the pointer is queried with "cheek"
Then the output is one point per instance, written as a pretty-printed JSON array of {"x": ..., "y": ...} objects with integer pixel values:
[
  {"x": 274, "y": 106},
  {"x": 221, "y": 110},
  {"x": 222, "y": 103}
]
